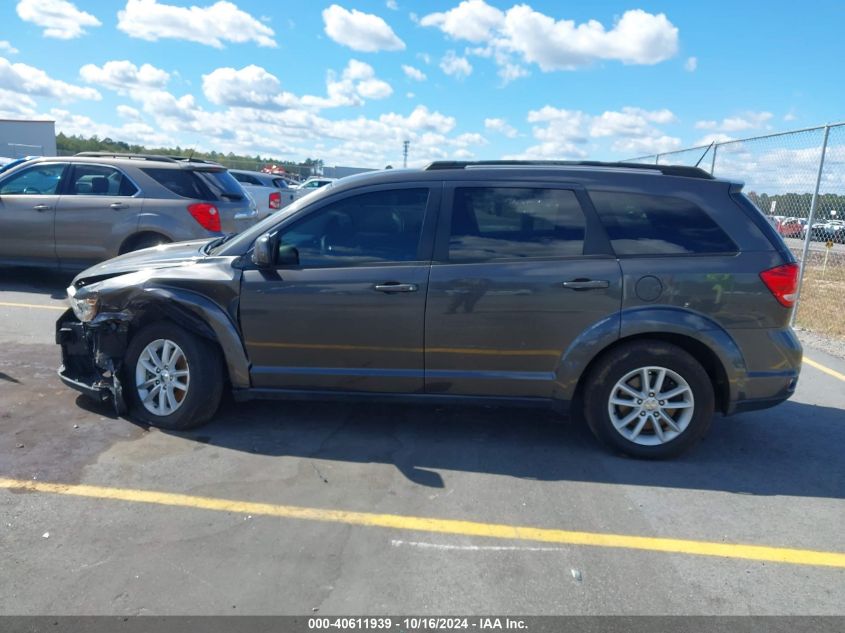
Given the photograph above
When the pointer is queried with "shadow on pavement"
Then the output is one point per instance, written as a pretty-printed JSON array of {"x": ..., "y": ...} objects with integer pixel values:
[
  {"x": 794, "y": 449},
  {"x": 52, "y": 283}
]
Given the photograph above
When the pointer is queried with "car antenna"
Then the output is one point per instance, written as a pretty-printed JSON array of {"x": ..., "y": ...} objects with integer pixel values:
[{"x": 704, "y": 154}]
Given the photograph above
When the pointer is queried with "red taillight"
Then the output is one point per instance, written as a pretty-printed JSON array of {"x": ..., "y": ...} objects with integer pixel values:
[
  {"x": 207, "y": 215},
  {"x": 275, "y": 200},
  {"x": 782, "y": 281}
]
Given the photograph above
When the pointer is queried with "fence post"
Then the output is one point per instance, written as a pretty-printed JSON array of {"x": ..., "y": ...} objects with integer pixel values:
[
  {"x": 657, "y": 159},
  {"x": 809, "y": 234},
  {"x": 713, "y": 160}
]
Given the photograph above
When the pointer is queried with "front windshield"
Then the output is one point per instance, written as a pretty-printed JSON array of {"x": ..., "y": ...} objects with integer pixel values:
[{"x": 236, "y": 244}]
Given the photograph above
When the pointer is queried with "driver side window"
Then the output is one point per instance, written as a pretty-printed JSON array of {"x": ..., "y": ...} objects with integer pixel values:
[
  {"x": 383, "y": 226},
  {"x": 41, "y": 179}
]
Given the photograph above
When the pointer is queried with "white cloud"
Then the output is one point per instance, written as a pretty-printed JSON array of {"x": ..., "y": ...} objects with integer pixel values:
[
  {"x": 637, "y": 37},
  {"x": 7, "y": 47},
  {"x": 255, "y": 87},
  {"x": 789, "y": 116},
  {"x": 59, "y": 18},
  {"x": 501, "y": 126},
  {"x": 14, "y": 104},
  {"x": 134, "y": 132},
  {"x": 455, "y": 66},
  {"x": 124, "y": 75},
  {"x": 745, "y": 121},
  {"x": 128, "y": 112},
  {"x": 251, "y": 86},
  {"x": 472, "y": 20},
  {"x": 716, "y": 137},
  {"x": 691, "y": 64},
  {"x": 413, "y": 73},
  {"x": 565, "y": 133},
  {"x": 212, "y": 25},
  {"x": 392, "y": 5},
  {"x": 360, "y": 31},
  {"x": 28, "y": 80}
]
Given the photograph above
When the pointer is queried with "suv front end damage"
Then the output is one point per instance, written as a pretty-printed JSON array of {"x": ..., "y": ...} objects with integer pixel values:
[{"x": 93, "y": 346}]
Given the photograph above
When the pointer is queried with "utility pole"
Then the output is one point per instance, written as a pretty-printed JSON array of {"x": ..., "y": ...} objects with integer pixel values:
[{"x": 405, "y": 144}]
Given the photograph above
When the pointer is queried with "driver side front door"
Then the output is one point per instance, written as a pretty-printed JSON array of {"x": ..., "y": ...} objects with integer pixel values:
[{"x": 350, "y": 315}]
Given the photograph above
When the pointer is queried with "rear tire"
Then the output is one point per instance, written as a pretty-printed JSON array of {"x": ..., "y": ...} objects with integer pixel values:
[
  {"x": 623, "y": 404},
  {"x": 172, "y": 378}
]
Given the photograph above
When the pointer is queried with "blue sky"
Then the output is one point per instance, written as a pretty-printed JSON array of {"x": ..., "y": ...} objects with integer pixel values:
[{"x": 348, "y": 81}]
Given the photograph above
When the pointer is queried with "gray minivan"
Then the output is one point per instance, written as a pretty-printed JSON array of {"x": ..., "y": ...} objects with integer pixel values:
[
  {"x": 647, "y": 297},
  {"x": 71, "y": 212}
]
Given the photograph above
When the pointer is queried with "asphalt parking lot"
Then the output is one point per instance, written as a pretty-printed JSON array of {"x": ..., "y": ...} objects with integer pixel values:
[{"x": 282, "y": 508}]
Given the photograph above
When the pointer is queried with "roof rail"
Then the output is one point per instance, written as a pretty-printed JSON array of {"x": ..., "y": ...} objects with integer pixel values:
[
  {"x": 666, "y": 170},
  {"x": 152, "y": 157},
  {"x": 169, "y": 159}
]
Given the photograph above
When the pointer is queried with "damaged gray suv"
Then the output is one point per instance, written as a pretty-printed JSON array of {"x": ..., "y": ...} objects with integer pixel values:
[{"x": 647, "y": 297}]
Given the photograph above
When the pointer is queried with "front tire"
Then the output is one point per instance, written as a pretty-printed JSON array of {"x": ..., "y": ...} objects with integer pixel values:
[
  {"x": 649, "y": 400},
  {"x": 172, "y": 379}
]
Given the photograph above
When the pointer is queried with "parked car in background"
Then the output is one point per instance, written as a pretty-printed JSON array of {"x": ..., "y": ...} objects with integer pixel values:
[
  {"x": 791, "y": 227},
  {"x": 270, "y": 192},
  {"x": 646, "y": 296},
  {"x": 830, "y": 230},
  {"x": 312, "y": 184},
  {"x": 71, "y": 212},
  {"x": 7, "y": 164}
]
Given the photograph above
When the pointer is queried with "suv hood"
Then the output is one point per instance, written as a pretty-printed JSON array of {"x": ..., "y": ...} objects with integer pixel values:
[{"x": 156, "y": 257}]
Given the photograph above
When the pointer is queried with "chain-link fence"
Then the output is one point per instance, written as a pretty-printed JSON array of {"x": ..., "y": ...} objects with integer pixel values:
[{"x": 797, "y": 179}]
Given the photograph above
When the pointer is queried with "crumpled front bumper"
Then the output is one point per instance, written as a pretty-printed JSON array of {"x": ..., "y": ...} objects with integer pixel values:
[{"x": 92, "y": 356}]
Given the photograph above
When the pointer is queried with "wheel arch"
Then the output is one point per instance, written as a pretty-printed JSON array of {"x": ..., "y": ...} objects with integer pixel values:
[
  {"x": 709, "y": 343},
  {"x": 127, "y": 244},
  {"x": 199, "y": 315}
]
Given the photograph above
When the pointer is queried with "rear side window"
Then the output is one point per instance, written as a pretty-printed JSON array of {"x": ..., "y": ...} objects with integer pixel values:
[
  {"x": 506, "y": 223},
  {"x": 196, "y": 184},
  {"x": 639, "y": 224},
  {"x": 245, "y": 178},
  {"x": 100, "y": 180},
  {"x": 280, "y": 183}
]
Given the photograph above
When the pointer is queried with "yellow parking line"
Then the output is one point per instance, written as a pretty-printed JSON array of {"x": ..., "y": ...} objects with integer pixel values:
[
  {"x": 827, "y": 370},
  {"x": 442, "y": 526},
  {"x": 7, "y": 304}
]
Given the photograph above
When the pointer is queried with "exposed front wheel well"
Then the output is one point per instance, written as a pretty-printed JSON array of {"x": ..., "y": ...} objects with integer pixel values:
[
  {"x": 141, "y": 240},
  {"x": 701, "y": 352}
]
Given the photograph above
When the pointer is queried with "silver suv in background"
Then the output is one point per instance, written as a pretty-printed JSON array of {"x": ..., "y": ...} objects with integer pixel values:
[
  {"x": 71, "y": 212},
  {"x": 270, "y": 192}
]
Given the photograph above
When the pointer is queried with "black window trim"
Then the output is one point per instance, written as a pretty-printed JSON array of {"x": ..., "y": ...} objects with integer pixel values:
[
  {"x": 596, "y": 244},
  {"x": 65, "y": 186},
  {"x": 731, "y": 253},
  {"x": 424, "y": 249}
]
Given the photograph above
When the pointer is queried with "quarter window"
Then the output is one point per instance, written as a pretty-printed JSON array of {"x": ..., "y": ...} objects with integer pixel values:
[
  {"x": 383, "y": 226},
  {"x": 100, "y": 180},
  {"x": 41, "y": 179},
  {"x": 513, "y": 223},
  {"x": 639, "y": 224}
]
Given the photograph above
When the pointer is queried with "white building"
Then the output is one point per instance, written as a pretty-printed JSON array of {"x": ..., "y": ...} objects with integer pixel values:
[{"x": 20, "y": 138}]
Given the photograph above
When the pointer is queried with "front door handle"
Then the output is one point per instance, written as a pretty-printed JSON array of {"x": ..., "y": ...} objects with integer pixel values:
[
  {"x": 42, "y": 207},
  {"x": 117, "y": 205},
  {"x": 393, "y": 286},
  {"x": 586, "y": 284}
]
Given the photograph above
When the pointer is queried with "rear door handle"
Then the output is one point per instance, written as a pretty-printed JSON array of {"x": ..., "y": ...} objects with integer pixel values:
[
  {"x": 117, "y": 205},
  {"x": 586, "y": 284},
  {"x": 392, "y": 286},
  {"x": 42, "y": 207}
]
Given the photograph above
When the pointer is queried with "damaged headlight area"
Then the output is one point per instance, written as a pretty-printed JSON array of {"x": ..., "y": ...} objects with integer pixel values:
[
  {"x": 84, "y": 304},
  {"x": 93, "y": 343}
]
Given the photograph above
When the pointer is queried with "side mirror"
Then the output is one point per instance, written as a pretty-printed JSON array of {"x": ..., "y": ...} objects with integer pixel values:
[
  {"x": 262, "y": 251},
  {"x": 288, "y": 256}
]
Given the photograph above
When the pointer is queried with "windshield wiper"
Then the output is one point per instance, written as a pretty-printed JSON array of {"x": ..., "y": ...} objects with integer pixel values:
[{"x": 213, "y": 244}]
